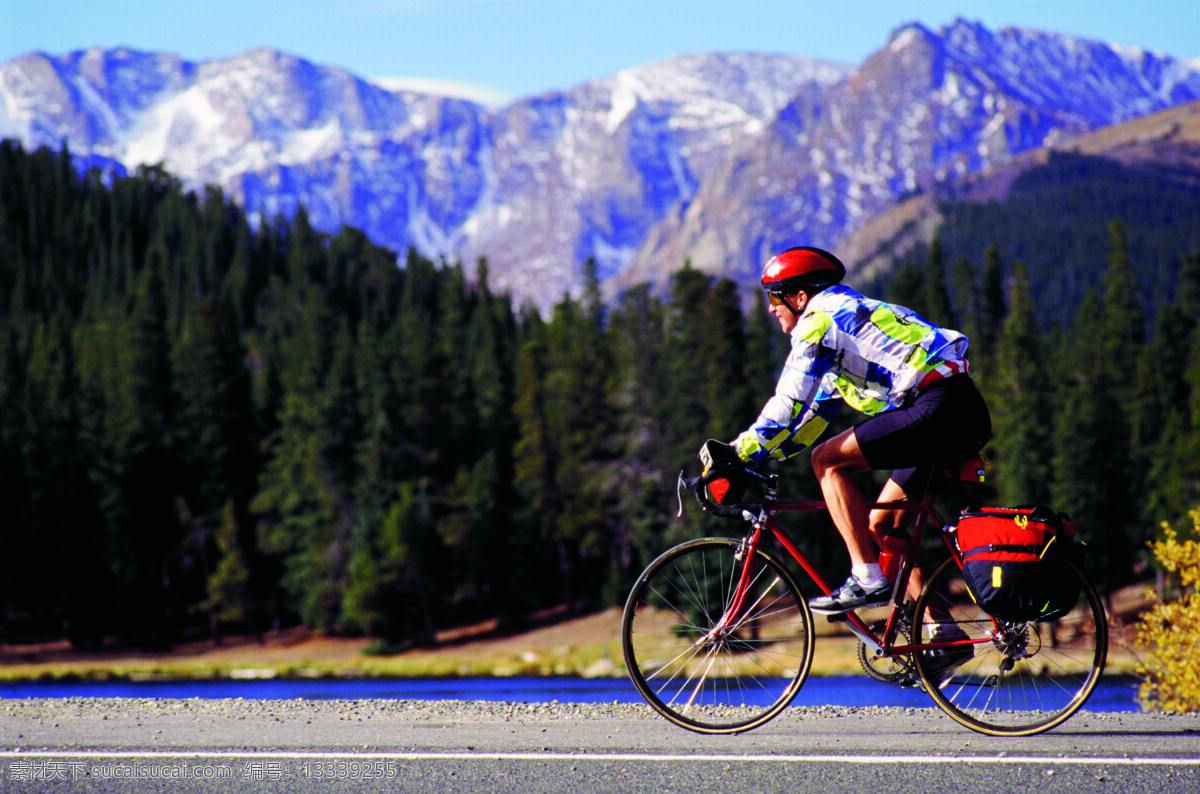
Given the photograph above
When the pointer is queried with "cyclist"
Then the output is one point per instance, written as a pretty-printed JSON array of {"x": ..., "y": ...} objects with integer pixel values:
[{"x": 909, "y": 376}]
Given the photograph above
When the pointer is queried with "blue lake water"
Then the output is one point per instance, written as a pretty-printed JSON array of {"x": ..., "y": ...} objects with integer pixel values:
[{"x": 1112, "y": 694}]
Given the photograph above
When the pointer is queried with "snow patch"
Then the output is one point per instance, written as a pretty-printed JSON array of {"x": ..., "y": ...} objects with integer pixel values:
[
  {"x": 611, "y": 259},
  {"x": 625, "y": 99},
  {"x": 183, "y": 132},
  {"x": 318, "y": 143},
  {"x": 13, "y": 122},
  {"x": 905, "y": 38},
  {"x": 479, "y": 94}
]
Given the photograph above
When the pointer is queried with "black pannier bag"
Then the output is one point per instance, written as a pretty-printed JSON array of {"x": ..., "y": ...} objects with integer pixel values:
[{"x": 1014, "y": 561}]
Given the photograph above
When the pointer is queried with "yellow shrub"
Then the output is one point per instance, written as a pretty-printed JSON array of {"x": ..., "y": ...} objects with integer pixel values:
[{"x": 1170, "y": 632}]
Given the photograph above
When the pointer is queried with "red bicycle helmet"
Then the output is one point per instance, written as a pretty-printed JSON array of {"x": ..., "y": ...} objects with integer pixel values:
[{"x": 810, "y": 269}]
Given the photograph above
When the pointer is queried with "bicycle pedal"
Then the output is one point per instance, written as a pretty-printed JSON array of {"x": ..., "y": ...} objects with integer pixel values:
[{"x": 839, "y": 618}]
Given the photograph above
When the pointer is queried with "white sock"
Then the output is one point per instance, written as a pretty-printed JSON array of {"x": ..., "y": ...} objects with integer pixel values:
[{"x": 869, "y": 575}]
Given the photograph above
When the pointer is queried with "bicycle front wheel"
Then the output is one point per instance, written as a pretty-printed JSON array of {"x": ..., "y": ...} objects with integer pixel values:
[
  {"x": 1016, "y": 678},
  {"x": 708, "y": 657}
]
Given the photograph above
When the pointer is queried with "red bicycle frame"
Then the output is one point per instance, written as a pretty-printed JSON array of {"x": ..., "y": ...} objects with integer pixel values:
[{"x": 884, "y": 646}]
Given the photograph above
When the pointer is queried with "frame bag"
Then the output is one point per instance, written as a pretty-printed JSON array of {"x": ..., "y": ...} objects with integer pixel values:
[{"x": 1015, "y": 561}]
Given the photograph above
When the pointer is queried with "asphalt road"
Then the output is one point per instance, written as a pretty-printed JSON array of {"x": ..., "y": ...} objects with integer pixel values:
[{"x": 277, "y": 746}]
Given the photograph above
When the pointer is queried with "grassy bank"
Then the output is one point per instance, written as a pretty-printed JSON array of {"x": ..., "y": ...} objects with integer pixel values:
[{"x": 587, "y": 646}]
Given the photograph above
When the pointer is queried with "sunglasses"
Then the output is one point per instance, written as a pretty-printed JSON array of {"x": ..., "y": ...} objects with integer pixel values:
[{"x": 775, "y": 298}]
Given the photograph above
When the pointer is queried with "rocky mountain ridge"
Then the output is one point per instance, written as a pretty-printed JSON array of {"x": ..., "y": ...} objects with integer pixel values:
[
  {"x": 1168, "y": 140},
  {"x": 715, "y": 159}
]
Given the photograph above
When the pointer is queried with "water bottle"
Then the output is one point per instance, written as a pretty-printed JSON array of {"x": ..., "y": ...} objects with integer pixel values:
[{"x": 889, "y": 556}]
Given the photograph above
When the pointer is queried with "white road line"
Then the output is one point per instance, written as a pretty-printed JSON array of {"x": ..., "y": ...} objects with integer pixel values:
[{"x": 601, "y": 757}]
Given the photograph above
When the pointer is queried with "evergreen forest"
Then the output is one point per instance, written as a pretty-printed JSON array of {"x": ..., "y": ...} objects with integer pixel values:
[{"x": 212, "y": 425}]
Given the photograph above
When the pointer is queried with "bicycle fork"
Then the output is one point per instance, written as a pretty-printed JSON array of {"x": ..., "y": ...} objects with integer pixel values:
[{"x": 734, "y": 610}]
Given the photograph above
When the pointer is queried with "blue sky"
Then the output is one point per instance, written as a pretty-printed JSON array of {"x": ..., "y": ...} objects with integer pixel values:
[{"x": 523, "y": 47}]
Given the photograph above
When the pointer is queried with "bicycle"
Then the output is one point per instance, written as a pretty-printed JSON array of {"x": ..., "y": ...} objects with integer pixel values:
[{"x": 718, "y": 638}]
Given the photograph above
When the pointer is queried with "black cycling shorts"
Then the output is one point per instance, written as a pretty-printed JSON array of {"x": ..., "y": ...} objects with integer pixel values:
[{"x": 946, "y": 424}]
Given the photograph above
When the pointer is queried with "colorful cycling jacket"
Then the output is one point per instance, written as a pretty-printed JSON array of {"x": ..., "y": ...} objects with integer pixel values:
[{"x": 848, "y": 348}]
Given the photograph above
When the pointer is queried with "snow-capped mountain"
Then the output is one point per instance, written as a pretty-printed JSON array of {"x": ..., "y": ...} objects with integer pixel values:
[
  {"x": 587, "y": 172},
  {"x": 929, "y": 108},
  {"x": 715, "y": 158},
  {"x": 272, "y": 130}
]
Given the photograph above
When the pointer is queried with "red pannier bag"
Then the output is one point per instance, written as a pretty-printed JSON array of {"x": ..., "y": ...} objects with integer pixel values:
[{"x": 1015, "y": 561}]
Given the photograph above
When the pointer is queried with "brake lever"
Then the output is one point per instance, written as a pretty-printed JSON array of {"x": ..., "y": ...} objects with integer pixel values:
[
  {"x": 693, "y": 484},
  {"x": 679, "y": 494}
]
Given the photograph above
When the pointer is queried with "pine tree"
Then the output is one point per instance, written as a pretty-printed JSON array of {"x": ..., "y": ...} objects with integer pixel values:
[
  {"x": 1122, "y": 350},
  {"x": 728, "y": 396},
  {"x": 536, "y": 454},
  {"x": 1021, "y": 403},
  {"x": 934, "y": 299},
  {"x": 143, "y": 526},
  {"x": 576, "y": 410},
  {"x": 389, "y": 596},
  {"x": 992, "y": 308},
  {"x": 1173, "y": 361},
  {"x": 54, "y": 549},
  {"x": 479, "y": 524},
  {"x": 498, "y": 543},
  {"x": 378, "y": 466},
  {"x": 1079, "y": 434},
  {"x": 966, "y": 305},
  {"x": 457, "y": 421},
  {"x": 686, "y": 425},
  {"x": 1094, "y": 477},
  {"x": 100, "y": 364},
  {"x": 644, "y": 470},
  {"x": 305, "y": 515},
  {"x": 423, "y": 376},
  {"x": 216, "y": 441},
  {"x": 228, "y": 585},
  {"x": 906, "y": 286},
  {"x": 214, "y": 430},
  {"x": 305, "y": 252},
  {"x": 13, "y": 492}
]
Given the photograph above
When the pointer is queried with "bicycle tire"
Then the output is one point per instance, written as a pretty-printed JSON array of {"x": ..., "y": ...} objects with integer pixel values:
[
  {"x": 1027, "y": 677},
  {"x": 726, "y": 681}
]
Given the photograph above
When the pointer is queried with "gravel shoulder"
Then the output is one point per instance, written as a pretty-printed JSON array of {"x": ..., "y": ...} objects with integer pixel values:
[{"x": 408, "y": 725}]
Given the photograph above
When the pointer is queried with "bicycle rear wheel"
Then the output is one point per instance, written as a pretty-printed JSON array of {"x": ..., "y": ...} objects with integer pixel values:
[
  {"x": 704, "y": 674},
  {"x": 1018, "y": 678}
]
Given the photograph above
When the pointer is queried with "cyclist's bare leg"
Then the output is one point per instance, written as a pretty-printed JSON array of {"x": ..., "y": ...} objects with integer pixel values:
[
  {"x": 885, "y": 522},
  {"x": 835, "y": 462}
]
